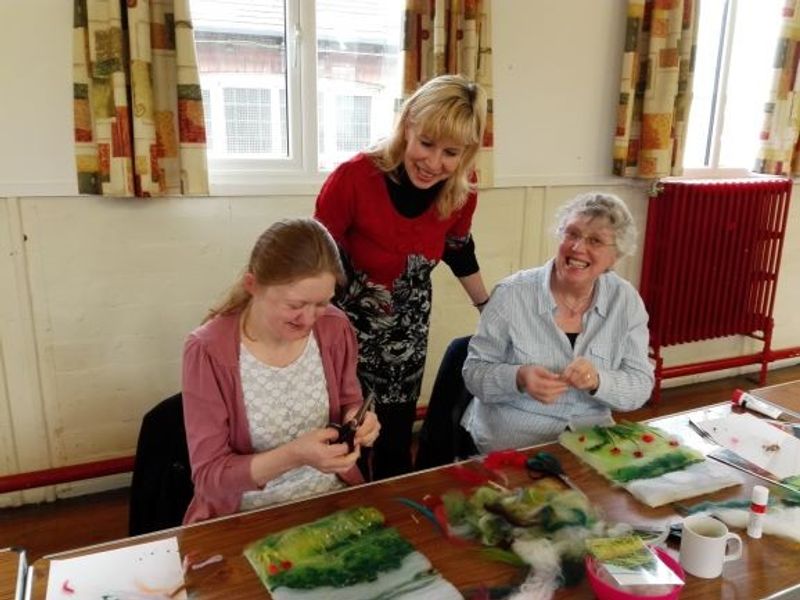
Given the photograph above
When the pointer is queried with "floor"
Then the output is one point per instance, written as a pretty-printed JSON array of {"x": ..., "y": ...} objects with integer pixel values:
[{"x": 72, "y": 523}]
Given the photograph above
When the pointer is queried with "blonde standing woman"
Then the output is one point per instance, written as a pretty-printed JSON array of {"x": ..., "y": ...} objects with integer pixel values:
[{"x": 396, "y": 210}]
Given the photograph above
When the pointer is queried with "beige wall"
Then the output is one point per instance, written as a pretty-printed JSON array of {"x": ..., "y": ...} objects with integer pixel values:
[{"x": 97, "y": 295}]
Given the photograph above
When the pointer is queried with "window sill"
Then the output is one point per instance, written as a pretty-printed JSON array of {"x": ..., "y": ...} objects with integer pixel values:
[
  {"x": 720, "y": 173},
  {"x": 250, "y": 183}
]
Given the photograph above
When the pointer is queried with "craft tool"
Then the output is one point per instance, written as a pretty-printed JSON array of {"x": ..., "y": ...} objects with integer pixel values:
[
  {"x": 347, "y": 431},
  {"x": 544, "y": 463},
  {"x": 786, "y": 427},
  {"x": 730, "y": 458},
  {"x": 751, "y": 402},
  {"x": 758, "y": 508}
]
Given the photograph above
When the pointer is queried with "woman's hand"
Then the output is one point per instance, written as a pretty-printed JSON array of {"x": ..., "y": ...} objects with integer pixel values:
[
  {"x": 316, "y": 448},
  {"x": 368, "y": 432},
  {"x": 540, "y": 384},
  {"x": 582, "y": 375}
]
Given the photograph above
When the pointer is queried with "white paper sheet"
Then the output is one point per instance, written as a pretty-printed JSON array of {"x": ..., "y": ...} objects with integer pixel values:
[
  {"x": 141, "y": 572},
  {"x": 757, "y": 441}
]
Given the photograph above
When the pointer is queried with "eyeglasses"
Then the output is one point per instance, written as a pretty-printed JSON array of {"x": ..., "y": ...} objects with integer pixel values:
[{"x": 573, "y": 236}]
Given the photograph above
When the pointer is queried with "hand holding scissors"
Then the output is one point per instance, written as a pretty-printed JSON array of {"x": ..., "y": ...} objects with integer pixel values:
[{"x": 347, "y": 431}]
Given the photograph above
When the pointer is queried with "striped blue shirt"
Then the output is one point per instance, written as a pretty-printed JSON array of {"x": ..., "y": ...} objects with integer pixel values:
[{"x": 518, "y": 327}]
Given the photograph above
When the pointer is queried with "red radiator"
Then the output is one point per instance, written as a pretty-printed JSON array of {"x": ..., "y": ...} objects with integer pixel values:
[{"x": 710, "y": 266}]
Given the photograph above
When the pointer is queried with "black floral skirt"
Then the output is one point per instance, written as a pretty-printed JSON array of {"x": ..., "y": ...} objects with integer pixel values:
[{"x": 392, "y": 330}]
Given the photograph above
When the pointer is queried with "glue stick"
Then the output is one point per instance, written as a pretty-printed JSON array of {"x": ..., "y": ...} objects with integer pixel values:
[
  {"x": 758, "y": 508},
  {"x": 750, "y": 402}
]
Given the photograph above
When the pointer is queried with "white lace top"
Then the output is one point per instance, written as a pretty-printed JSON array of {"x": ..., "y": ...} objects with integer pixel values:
[{"x": 282, "y": 403}]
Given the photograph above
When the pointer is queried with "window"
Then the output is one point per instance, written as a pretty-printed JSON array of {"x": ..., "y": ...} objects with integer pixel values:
[
  {"x": 248, "y": 123},
  {"x": 294, "y": 87},
  {"x": 347, "y": 119},
  {"x": 736, "y": 44},
  {"x": 353, "y": 115}
]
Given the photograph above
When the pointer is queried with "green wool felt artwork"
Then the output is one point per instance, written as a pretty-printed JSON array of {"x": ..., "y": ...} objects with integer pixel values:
[
  {"x": 348, "y": 555},
  {"x": 654, "y": 466},
  {"x": 626, "y": 451},
  {"x": 540, "y": 527}
]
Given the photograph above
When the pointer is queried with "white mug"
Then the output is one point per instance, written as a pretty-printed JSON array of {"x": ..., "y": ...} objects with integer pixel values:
[{"x": 705, "y": 546}]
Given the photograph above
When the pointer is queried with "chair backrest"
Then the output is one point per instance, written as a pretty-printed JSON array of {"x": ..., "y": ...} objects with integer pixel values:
[
  {"x": 161, "y": 488},
  {"x": 439, "y": 439}
]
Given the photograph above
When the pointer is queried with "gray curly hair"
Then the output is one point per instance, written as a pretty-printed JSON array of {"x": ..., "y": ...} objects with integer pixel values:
[{"x": 600, "y": 205}]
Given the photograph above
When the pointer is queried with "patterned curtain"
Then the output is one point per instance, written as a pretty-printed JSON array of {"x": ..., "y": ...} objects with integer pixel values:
[
  {"x": 656, "y": 86},
  {"x": 778, "y": 153},
  {"x": 452, "y": 36},
  {"x": 139, "y": 128}
]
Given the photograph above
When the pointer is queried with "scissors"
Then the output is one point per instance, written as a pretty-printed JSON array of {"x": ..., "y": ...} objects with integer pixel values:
[
  {"x": 347, "y": 431},
  {"x": 543, "y": 463}
]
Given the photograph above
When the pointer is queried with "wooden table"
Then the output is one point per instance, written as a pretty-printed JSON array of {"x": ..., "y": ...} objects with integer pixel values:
[
  {"x": 12, "y": 569},
  {"x": 768, "y": 565}
]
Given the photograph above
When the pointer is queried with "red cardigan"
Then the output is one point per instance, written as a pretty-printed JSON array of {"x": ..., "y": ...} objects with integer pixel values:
[
  {"x": 355, "y": 206},
  {"x": 217, "y": 430}
]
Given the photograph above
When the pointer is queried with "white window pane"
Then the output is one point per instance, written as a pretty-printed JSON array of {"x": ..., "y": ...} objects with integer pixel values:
[
  {"x": 353, "y": 123},
  {"x": 358, "y": 74},
  {"x": 321, "y": 116},
  {"x": 707, "y": 56},
  {"x": 207, "y": 118},
  {"x": 248, "y": 121},
  {"x": 727, "y": 114},
  {"x": 241, "y": 46},
  {"x": 749, "y": 80},
  {"x": 282, "y": 137},
  {"x": 268, "y": 110}
]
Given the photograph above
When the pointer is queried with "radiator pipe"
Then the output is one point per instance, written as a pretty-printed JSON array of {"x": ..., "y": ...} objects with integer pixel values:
[
  {"x": 58, "y": 475},
  {"x": 729, "y": 363},
  {"x": 783, "y": 353}
]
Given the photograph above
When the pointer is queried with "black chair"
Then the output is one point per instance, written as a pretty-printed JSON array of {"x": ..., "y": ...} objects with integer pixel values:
[
  {"x": 161, "y": 488},
  {"x": 442, "y": 439}
]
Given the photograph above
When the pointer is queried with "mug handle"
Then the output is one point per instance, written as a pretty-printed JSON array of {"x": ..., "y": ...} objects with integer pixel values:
[{"x": 737, "y": 552}]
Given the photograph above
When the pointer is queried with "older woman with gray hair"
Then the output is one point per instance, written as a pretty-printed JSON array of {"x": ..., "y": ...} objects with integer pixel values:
[{"x": 563, "y": 342}]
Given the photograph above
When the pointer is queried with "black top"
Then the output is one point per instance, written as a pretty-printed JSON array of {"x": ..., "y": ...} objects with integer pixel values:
[
  {"x": 411, "y": 202},
  {"x": 572, "y": 337}
]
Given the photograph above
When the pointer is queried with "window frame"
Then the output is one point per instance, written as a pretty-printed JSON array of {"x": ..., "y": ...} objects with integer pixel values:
[
  {"x": 304, "y": 168},
  {"x": 713, "y": 170},
  {"x": 297, "y": 173},
  {"x": 219, "y": 120}
]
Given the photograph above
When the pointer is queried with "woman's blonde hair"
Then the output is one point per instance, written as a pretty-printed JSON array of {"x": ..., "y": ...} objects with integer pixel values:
[
  {"x": 449, "y": 107},
  {"x": 289, "y": 250}
]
